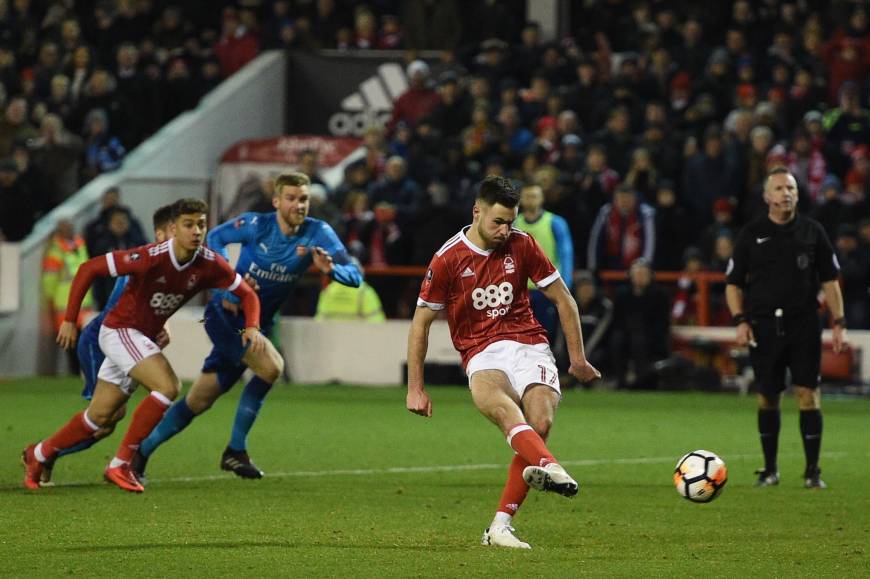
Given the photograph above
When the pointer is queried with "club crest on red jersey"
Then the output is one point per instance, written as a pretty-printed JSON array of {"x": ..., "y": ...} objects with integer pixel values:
[
  {"x": 509, "y": 266},
  {"x": 191, "y": 281},
  {"x": 428, "y": 279},
  {"x": 131, "y": 257}
]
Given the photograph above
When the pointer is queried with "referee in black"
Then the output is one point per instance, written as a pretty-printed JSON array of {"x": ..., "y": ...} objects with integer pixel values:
[{"x": 773, "y": 279}]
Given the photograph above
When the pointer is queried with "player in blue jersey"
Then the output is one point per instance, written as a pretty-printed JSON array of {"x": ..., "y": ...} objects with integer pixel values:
[
  {"x": 91, "y": 356},
  {"x": 277, "y": 249}
]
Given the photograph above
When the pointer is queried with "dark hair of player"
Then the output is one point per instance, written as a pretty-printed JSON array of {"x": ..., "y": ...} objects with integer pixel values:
[
  {"x": 188, "y": 206},
  {"x": 162, "y": 217},
  {"x": 495, "y": 189},
  {"x": 292, "y": 179}
]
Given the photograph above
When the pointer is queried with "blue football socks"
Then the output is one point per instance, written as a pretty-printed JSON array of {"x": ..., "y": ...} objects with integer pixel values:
[
  {"x": 249, "y": 406},
  {"x": 89, "y": 442},
  {"x": 174, "y": 421}
]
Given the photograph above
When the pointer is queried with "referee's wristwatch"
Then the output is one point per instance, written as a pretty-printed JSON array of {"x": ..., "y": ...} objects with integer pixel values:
[
  {"x": 738, "y": 319},
  {"x": 841, "y": 321}
]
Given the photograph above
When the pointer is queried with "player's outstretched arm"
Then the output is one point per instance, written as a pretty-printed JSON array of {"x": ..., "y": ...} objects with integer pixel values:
[
  {"x": 338, "y": 265},
  {"x": 417, "y": 399},
  {"x": 569, "y": 317},
  {"x": 331, "y": 257},
  {"x": 87, "y": 272}
]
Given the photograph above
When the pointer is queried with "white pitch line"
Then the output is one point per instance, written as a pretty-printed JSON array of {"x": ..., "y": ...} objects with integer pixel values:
[{"x": 433, "y": 468}]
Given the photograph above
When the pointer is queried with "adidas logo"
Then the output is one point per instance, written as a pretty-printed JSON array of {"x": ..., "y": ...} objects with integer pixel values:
[
  {"x": 371, "y": 104},
  {"x": 467, "y": 273},
  {"x": 161, "y": 279}
]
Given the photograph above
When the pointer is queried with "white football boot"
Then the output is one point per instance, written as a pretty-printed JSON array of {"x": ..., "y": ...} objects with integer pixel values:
[
  {"x": 503, "y": 536},
  {"x": 551, "y": 478}
]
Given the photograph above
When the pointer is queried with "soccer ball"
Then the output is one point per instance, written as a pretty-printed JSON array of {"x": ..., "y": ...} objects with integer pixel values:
[{"x": 700, "y": 475}]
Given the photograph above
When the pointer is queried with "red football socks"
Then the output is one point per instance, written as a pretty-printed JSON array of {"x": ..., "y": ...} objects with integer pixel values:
[
  {"x": 78, "y": 429},
  {"x": 515, "y": 489},
  {"x": 529, "y": 445},
  {"x": 145, "y": 418}
]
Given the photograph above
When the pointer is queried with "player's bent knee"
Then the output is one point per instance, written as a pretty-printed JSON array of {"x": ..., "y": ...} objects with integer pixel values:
[
  {"x": 119, "y": 415},
  {"x": 269, "y": 365},
  {"x": 271, "y": 372},
  {"x": 100, "y": 418},
  {"x": 105, "y": 431},
  {"x": 199, "y": 402},
  {"x": 542, "y": 426},
  {"x": 168, "y": 388}
]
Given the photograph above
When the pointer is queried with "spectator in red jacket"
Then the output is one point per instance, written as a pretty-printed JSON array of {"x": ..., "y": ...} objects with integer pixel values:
[
  {"x": 416, "y": 102},
  {"x": 237, "y": 45},
  {"x": 847, "y": 54}
]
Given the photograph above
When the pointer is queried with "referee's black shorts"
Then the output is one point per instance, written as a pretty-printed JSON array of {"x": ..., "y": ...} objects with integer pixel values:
[{"x": 796, "y": 347}]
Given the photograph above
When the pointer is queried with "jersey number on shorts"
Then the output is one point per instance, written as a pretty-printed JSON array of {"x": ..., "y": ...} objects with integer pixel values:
[{"x": 547, "y": 375}]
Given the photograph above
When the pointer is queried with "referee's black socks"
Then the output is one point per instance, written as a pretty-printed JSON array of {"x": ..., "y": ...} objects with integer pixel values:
[
  {"x": 768, "y": 429},
  {"x": 811, "y": 433}
]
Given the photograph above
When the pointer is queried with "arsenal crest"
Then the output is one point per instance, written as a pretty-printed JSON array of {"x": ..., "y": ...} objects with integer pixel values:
[{"x": 191, "y": 281}]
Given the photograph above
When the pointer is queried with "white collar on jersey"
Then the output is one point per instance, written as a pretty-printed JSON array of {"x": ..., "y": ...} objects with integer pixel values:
[
  {"x": 471, "y": 245},
  {"x": 175, "y": 261}
]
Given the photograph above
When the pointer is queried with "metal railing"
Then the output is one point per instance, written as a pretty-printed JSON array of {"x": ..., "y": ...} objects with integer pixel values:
[{"x": 703, "y": 281}]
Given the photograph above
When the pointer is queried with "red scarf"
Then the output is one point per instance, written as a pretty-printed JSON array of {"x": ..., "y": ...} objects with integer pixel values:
[{"x": 624, "y": 238}]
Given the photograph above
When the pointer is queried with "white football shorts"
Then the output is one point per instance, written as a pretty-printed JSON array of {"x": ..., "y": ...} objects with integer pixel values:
[
  {"x": 124, "y": 348},
  {"x": 524, "y": 364}
]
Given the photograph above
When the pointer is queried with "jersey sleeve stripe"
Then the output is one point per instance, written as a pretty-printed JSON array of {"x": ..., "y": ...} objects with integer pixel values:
[
  {"x": 421, "y": 303},
  {"x": 549, "y": 279},
  {"x": 110, "y": 261},
  {"x": 236, "y": 282}
]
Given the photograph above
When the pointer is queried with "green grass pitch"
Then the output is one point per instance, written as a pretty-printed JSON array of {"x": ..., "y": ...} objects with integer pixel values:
[{"x": 358, "y": 487}]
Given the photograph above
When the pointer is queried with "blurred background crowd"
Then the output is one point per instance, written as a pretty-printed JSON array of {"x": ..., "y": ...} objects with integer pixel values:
[{"x": 648, "y": 127}]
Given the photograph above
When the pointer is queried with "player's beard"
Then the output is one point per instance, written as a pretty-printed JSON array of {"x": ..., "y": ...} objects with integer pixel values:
[
  {"x": 294, "y": 218},
  {"x": 492, "y": 242}
]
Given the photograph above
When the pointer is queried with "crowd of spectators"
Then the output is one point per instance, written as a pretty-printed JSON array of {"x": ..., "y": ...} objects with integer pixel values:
[
  {"x": 649, "y": 125},
  {"x": 649, "y": 129},
  {"x": 84, "y": 82}
]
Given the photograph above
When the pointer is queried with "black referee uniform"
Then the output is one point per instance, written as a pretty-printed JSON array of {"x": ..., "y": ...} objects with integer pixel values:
[{"x": 780, "y": 269}]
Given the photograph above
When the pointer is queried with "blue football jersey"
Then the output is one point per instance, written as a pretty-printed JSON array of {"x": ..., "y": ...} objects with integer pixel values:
[{"x": 270, "y": 257}]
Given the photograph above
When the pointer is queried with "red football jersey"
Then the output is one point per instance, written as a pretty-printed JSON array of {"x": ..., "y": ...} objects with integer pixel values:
[
  {"x": 485, "y": 292},
  {"x": 159, "y": 285}
]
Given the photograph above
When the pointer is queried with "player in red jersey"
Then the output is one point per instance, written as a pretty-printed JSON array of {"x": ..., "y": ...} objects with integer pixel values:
[
  {"x": 163, "y": 277},
  {"x": 480, "y": 277}
]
